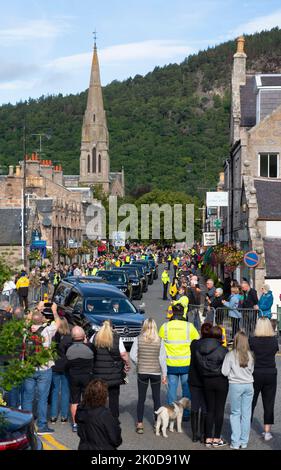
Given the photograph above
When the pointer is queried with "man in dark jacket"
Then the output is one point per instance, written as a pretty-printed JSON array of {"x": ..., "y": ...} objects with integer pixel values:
[
  {"x": 80, "y": 361},
  {"x": 250, "y": 302}
]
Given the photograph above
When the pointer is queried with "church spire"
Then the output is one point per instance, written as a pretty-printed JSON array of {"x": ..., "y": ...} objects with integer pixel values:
[{"x": 94, "y": 159}]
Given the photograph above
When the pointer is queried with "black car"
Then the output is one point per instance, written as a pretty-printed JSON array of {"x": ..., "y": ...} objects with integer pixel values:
[
  {"x": 118, "y": 279},
  {"x": 142, "y": 270},
  {"x": 89, "y": 305},
  {"x": 17, "y": 430},
  {"x": 154, "y": 267},
  {"x": 148, "y": 268},
  {"x": 135, "y": 279}
]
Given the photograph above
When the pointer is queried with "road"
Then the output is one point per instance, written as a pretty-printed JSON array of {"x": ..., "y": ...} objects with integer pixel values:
[{"x": 155, "y": 307}]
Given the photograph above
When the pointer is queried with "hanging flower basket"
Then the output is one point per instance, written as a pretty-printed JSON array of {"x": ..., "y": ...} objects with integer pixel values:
[{"x": 228, "y": 255}]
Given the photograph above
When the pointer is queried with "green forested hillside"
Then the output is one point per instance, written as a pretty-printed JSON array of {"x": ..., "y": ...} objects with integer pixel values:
[{"x": 169, "y": 129}]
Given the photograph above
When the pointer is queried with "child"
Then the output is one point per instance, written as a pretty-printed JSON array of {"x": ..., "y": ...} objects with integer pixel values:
[
  {"x": 97, "y": 428},
  {"x": 238, "y": 366}
]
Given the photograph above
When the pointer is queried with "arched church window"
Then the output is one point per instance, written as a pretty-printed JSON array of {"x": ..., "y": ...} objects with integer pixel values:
[
  {"x": 99, "y": 163},
  {"x": 89, "y": 164},
  {"x": 94, "y": 160},
  {"x": 94, "y": 117}
]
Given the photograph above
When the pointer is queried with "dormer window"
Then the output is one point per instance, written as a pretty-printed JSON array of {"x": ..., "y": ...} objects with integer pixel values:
[
  {"x": 268, "y": 94},
  {"x": 269, "y": 165}
]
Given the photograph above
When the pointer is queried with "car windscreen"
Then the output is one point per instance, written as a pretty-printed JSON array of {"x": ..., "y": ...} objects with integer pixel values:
[
  {"x": 109, "y": 306},
  {"x": 113, "y": 277},
  {"x": 132, "y": 272},
  {"x": 141, "y": 269}
]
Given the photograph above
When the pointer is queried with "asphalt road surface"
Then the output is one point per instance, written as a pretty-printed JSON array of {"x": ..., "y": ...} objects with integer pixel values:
[{"x": 155, "y": 307}]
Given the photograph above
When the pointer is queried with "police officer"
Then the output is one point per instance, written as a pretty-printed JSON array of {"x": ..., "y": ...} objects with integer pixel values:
[
  {"x": 57, "y": 279},
  {"x": 165, "y": 280},
  {"x": 169, "y": 260},
  {"x": 177, "y": 335}
]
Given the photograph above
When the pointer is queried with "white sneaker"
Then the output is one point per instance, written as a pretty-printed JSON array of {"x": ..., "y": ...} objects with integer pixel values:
[{"x": 267, "y": 436}]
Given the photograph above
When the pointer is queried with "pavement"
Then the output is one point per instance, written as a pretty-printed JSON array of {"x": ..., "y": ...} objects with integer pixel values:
[{"x": 64, "y": 438}]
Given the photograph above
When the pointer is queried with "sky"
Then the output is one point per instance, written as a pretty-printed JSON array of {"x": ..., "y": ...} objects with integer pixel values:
[{"x": 46, "y": 45}]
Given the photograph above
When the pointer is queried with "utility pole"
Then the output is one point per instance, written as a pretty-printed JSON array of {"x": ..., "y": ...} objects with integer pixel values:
[{"x": 23, "y": 224}]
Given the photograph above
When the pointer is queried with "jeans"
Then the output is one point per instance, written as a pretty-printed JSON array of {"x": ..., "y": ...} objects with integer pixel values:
[
  {"x": 60, "y": 386},
  {"x": 173, "y": 381},
  {"x": 15, "y": 396},
  {"x": 241, "y": 396},
  {"x": 41, "y": 380}
]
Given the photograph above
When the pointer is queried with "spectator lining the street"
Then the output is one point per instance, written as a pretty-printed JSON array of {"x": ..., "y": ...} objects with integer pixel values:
[
  {"x": 111, "y": 363},
  {"x": 80, "y": 360},
  {"x": 265, "y": 302},
  {"x": 60, "y": 383},
  {"x": 238, "y": 366},
  {"x": 210, "y": 356},
  {"x": 195, "y": 381},
  {"x": 97, "y": 428},
  {"x": 264, "y": 345},
  {"x": 148, "y": 353}
]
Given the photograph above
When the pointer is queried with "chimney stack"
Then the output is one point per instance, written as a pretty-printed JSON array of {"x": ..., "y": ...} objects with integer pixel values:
[
  {"x": 238, "y": 79},
  {"x": 11, "y": 170}
]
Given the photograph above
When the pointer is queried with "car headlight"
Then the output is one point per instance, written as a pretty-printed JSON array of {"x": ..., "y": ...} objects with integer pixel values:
[{"x": 135, "y": 284}]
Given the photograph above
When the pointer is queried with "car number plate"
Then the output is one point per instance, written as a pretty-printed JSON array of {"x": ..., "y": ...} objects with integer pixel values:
[{"x": 127, "y": 340}]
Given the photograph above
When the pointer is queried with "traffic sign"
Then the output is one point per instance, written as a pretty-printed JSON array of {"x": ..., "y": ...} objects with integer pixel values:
[
  {"x": 251, "y": 259},
  {"x": 209, "y": 238},
  {"x": 218, "y": 224}
]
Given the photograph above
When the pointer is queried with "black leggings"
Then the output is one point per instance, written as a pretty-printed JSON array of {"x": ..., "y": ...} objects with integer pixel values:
[
  {"x": 113, "y": 398},
  {"x": 266, "y": 384},
  {"x": 198, "y": 401},
  {"x": 155, "y": 383},
  {"x": 216, "y": 389}
]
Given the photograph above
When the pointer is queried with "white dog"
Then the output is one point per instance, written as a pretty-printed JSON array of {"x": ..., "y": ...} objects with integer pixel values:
[{"x": 171, "y": 413}]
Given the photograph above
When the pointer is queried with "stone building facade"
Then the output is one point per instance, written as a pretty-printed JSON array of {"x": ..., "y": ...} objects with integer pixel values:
[{"x": 253, "y": 172}]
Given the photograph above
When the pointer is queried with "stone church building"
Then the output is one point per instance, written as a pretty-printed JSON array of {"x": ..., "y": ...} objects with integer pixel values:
[
  {"x": 57, "y": 204},
  {"x": 252, "y": 173}
]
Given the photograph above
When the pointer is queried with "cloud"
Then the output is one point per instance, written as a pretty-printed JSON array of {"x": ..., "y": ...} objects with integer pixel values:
[
  {"x": 258, "y": 24},
  {"x": 18, "y": 85},
  {"x": 33, "y": 29},
  {"x": 10, "y": 71},
  {"x": 131, "y": 52}
]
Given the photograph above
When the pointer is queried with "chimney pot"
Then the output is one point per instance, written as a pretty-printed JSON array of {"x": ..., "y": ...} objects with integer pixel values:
[
  {"x": 240, "y": 44},
  {"x": 11, "y": 170}
]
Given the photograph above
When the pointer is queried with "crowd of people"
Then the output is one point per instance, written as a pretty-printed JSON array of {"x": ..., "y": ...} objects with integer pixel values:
[{"x": 87, "y": 373}]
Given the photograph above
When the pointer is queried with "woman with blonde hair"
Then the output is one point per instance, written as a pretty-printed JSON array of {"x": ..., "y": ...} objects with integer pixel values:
[
  {"x": 111, "y": 362},
  {"x": 264, "y": 345},
  {"x": 238, "y": 367},
  {"x": 148, "y": 353}
]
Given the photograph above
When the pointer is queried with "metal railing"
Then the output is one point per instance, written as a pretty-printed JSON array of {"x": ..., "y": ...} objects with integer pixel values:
[
  {"x": 35, "y": 294},
  {"x": 247, "y": 321}
]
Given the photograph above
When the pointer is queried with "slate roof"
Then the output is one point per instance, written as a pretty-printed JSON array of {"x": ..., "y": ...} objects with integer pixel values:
[
  {"x": 10, "y": 228},
  {"x": 248, "y": 102},
  {"x": 269, "y": 199},
  {"x": 272, "y": 248},
  {"x": 44, "y": 205}
]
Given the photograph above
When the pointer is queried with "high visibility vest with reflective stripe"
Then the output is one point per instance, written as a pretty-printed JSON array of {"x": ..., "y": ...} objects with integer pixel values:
[{"x": 177, "y": 343}]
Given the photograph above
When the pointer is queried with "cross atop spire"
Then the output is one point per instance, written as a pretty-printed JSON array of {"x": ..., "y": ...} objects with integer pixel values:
[{"x": 95, "y": 38}]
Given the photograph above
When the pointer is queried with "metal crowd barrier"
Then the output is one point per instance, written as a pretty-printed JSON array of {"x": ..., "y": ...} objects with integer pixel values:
[
  {"x": 35, "y": 294},
  {"x": 247, "y": 322},
  {"x": 198, "y": 314}
]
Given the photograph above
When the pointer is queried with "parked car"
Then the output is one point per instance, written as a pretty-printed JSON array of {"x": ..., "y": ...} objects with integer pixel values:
[
  {"x": 148, "y": 268},
  {"x": 17, "y": 431},
  {"x": 154, "y": 267},
  {"x": 118, "y": 279},
  {"x": 142, "y": 270},
  {"x": 135, "y": 279},
  {"x": 88, "y": 305}
]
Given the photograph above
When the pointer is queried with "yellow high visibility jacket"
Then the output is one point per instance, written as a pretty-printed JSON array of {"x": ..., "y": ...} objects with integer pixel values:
[
  {"x": 169, "y": 258},
  {"x": 177, "y": 336},
  {"x": 165, "y": 277},
  {"x": 118, "y": 263},
  {"x": 128, "y": 259},
  {"x": 184, "y": 301},
  {"x": 94, "y": 271},
  {"x": 22, "y": 282},
  {"x": 175, "y": 262},
  {"x": 173, "y": 290}
]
